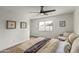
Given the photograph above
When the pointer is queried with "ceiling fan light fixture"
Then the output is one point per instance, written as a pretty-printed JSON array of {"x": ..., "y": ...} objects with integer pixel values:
[{"x": 42, "y": 14}]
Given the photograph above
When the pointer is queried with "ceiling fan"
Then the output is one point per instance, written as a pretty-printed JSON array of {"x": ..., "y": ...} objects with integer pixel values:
[{"x": 42, "y": 11}]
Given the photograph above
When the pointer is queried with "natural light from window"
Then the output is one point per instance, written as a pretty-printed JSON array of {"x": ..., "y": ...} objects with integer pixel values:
[{"x": 45, "y": 26}]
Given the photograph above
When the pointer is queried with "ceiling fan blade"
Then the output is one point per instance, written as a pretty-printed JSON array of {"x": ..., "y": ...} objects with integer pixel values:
[
  {"x": 49, "y": 11},
  {"x": 34, "y": 12},
  {"x": 45, "y": 14}
]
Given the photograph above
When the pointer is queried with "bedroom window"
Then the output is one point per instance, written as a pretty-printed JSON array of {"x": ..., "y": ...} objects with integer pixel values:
[{"x": 45, "y": 26}]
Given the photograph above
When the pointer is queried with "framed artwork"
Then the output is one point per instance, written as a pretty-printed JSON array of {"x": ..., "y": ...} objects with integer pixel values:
[
  {"x": 62, "y": 23},
  {"x": 11, "y": 24},
  {"x": 23, "y": 25}
]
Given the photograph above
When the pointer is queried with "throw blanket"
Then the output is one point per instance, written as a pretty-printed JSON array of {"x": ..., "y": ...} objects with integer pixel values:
[
  {"x": 37, "y": 46},
  {"x": 50, "y": 47}
]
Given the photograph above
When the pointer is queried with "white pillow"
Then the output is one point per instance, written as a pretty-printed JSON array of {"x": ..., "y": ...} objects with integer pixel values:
[{"x": 72, "y": 37}]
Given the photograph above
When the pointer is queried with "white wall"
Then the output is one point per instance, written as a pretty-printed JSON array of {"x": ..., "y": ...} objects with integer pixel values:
[
  {"x": 11, "y": 37},
  {"x": 56, "y": 29},
  {"x": 76, "y": 21}
]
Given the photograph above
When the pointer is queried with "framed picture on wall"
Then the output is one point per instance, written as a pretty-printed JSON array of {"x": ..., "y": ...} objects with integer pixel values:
[
  {"x": 10, "y": 24},
  {"x": 23, "y": 25},
  {"x": 62, "y": 23}
]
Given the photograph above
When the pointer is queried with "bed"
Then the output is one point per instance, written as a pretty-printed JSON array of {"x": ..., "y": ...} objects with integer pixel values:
[
  {"x": 39, "y": 45},
  {"x": 46, "y": 45}
]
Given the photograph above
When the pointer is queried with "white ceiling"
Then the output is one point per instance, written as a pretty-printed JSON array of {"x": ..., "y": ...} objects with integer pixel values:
[{"x": 28, "y": 9}]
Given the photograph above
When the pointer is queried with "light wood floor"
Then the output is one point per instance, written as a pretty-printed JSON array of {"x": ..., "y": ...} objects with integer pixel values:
[{"x": 20, "y": 48}]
